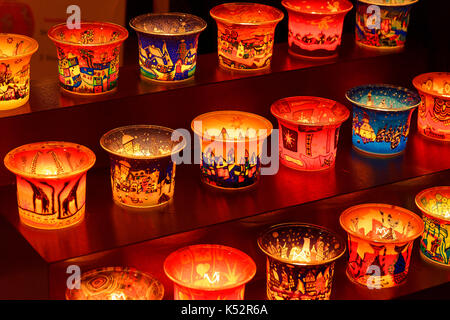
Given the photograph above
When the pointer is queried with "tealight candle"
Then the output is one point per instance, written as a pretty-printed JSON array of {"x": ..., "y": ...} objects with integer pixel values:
[
  {"x": 51, "y": 182},
  {"x": 380, "y": 241},
  {"x": 116, "y": 283},
  {"x": 231, "y": 147},
  {"x": 15, "y": 55},
  {"x": 246, "y": 33},
  {"x": 142, "y": 169},
  {"x": 88, "y": 57},
  {"x": 209, "y": 272},
  {"x": 309, "y": 131},
  {"x": 435, "y": 206}
]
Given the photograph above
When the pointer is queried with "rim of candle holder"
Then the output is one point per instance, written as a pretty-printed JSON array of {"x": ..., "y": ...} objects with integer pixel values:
[
  {"x": 211, "y": 246},
  {"x": 404, "y": 211},
  {"x": 49, "y": 144},
  {"x": 379, "y": 3},
  {"x": 202, "y": 22},
  {"x": 291, "y": 6},
  {"x": 337, "y": 122},
  {"x": 301, "y": 225},
  {"x": 33, "y": 49},
  {"x": 418, "y": 80},
  {"x": 55, "y": 28},
  {"x": 416, "y": 103},
  {"x": 424, "y": 209},
  {"x": 178, "y": 147},
  {"x": 267, "y": 8}
]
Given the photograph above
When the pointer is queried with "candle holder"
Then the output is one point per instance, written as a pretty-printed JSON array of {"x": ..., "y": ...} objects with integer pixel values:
[
  {"x": 88, "y": 58},
  {"x": 142, "y": 169},
  {"x": 15, "y": 55},
  {"x": 433, "y": 119},
  {"x": 300, "y": 261},
  {"x": 315, "y": 26},
  {"x": 246, "y": 33},
  {"x": 231, "y": 146},
  {"x": 209, "y": 272},
  {"x": 435, "y": 206},
  {"x": 380, "y": 238},
  {"x": 51, "y": 182},
  {"x": 382, "y": 24},
  {"x": 168, "y": 45},
  {"x": 116, "y": 283},
  {"x": 309, "y": 131},
  {"x": 381, "y": 118}
]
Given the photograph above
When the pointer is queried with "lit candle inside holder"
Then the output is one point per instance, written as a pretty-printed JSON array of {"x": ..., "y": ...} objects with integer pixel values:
[
  {"x": 51, "y": 182},
  {"x": 231, "y": 147},
  {"x": 142, "y": 169},
  {"x": 15, "y": 54},
  {"x": 168, "y": 45},
  {"x": 381, "y": 118},
  {"x": 380, "y": 238},
  {"x": 382, "y": 24},
  {"x": 315, "y": 26},
  {"x": 435, "y": 206},
  {"x": 116, "y": 283},
  {"x": 300, "y": 261},
  {"x": 433, "y": 119},
  {"x": 88, "y": 58},
  {"x": 246, "y": 33},
  {"x": 209, "y": 272},
  {"x": 309, "y": 131}
]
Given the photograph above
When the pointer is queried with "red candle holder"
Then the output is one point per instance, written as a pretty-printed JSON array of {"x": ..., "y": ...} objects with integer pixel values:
[
  {"x": 315, "y": 26},
  {"x": 116, "y": 283},
  {"x": 209, "y": 272},
  {"x": 309, "y": 131},
  {"x": 88, "y": 58},
  {"x": 380, "y": 238},
  {"x": 246, "y": 33},
  {"x": 51, "y": 182},
  {"x": 433, "y": 119}
]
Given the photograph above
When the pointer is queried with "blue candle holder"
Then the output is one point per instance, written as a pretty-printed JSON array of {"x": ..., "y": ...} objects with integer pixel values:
[{"x": 381, "y": 118}]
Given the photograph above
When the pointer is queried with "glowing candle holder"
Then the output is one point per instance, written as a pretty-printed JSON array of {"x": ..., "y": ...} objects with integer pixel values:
[
  {"x": 168, "y": 45},
  {"x": 15, "y": 55},
  {"x": 435, "y": 206},
  {"x": 315, "y": 26},
  {"x": 142, "y": 169},
  {"x": 300, "y": 261},
  {"x": 382, "y": 24},
  {"x": 116, "y": 283},
  {"x": 433, "y": 119},
  {"x": 380, "y": 238},
  {"x": 209, "y": 272},
  {"x": 231, "y": 146},
  {"x": 51, "y": 182},
  {"x": 246, "y": 33},
  {"x": 88, "y": 58},
  {"x": 309, "y": 131},
  {"x": 381, "y": 118}
]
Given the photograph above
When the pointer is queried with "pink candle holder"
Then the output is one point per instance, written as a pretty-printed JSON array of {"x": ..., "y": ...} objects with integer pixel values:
[
  {"x": 315, "y": 26},
  {"x": 309, "y": 131}
]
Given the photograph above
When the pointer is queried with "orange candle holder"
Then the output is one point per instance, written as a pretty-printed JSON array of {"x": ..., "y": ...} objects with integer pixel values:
[
  {"x": 116, "y": 283},
  {"x": 88, "y": 58},
  {"x": 300, "y": 261},
  {"x": 309, "y": 131},
  {"x": 246, "y": 33},
  {"x": 15, "y": 55},
  {"x": 231, "y": 147},
  {"x": 142, "y": 169},
  {"x": 51, "y": 182},
  {"x": 380, "y": 238},
  {"x": 433, "y": 119},
  {"x": 315, "y": 26},
  {"x": 435, "y": 206},
  {"x": 209, "y": 272}
]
